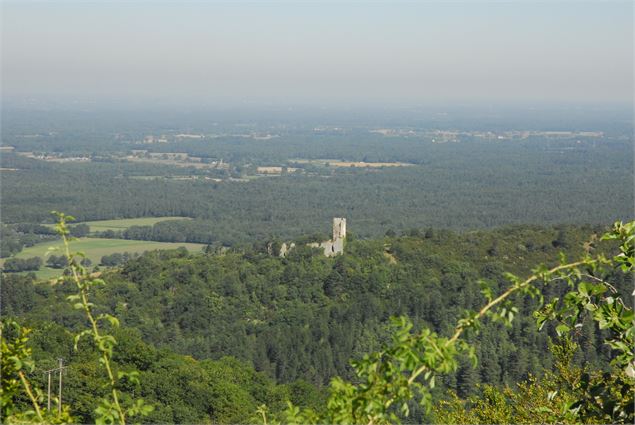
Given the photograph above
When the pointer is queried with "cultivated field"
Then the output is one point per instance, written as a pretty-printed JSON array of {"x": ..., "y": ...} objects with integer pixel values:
[
  {"x": 124, "y": 223},
  {"x": 95, "y": 248},
  {"x": 45, "y": 273},
  {"x": 358, "y": 164},
  {"x": 362, "y": 164}
]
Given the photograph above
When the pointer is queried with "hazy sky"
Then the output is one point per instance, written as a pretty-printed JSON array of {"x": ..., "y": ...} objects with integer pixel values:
[{"x": 428, "y": 51}]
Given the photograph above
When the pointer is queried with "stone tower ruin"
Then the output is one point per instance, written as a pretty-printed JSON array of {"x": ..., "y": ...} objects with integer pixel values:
[
  {"x": 336, "y": 245},
  {"x": 339, "y": 228}
]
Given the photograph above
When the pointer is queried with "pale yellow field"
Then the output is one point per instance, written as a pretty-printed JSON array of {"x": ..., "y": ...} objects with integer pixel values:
[
  {"x": 369, "y": 164},
  {"x": 359, "y": 164}
]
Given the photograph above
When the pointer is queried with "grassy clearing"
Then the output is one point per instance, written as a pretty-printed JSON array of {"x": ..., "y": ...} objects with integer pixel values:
[
  {"x": 124, "y": 223},
  {"x": 95, "y": 248},
  {"x": 45, "y": 273}
]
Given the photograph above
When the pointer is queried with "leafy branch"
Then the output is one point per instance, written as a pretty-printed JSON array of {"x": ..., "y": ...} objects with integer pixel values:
[
  {"x": 16, "y": 363},
  {"x": 111, "y": 409},
  {"x": 15, "y": 358}
]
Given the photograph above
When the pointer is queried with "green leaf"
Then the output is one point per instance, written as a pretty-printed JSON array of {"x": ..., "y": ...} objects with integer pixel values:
[
  {"x": 562, "y": 329},
  {"x": 79, "y": 336}
]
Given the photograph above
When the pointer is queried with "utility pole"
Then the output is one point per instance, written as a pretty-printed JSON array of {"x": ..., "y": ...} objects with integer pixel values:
[
  {"x": 59, "y": 404},
  {"x": 48, "y": 404},
  {"x": 49, "y": 372}
]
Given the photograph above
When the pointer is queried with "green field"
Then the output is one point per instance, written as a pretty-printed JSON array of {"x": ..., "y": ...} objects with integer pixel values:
[
  {"x": 124, "y": 223},
  {"x": 95, "y": 248},
  {"x": 45, "y": 273}
]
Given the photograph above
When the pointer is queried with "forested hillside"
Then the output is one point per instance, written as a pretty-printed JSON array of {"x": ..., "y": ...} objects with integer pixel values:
[{"x": 302, "y": 318}]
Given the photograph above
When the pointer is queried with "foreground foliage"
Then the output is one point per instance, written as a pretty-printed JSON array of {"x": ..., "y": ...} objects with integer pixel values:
[
  {"x": 553, "y": 398},
  {"x": 16, "y": 363},
  {"x": 16, "y": 356}
]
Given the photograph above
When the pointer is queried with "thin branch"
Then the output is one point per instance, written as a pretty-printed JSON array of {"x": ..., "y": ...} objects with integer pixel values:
[
  {"x": 597, "y": 279},
  {"x": 91, "y": 319},
  {"x": 459, "y": 329},
  {"x": 27, "y": 388}
]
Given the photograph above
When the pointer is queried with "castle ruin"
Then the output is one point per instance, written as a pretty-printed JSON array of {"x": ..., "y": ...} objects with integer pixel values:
[{"x": 334, "y": 246}]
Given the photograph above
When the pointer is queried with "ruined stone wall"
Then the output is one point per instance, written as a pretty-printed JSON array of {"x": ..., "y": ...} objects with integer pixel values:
[{"x": 334, "y": 246}]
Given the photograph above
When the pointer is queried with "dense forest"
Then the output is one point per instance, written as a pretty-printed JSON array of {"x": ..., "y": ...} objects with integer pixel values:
[
  {"x": 459, "y": 186},
  {"x": 214, "y": 336}
]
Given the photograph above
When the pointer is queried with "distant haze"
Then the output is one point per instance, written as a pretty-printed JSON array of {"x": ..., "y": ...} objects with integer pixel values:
[{"x": 336, "y": 52}]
